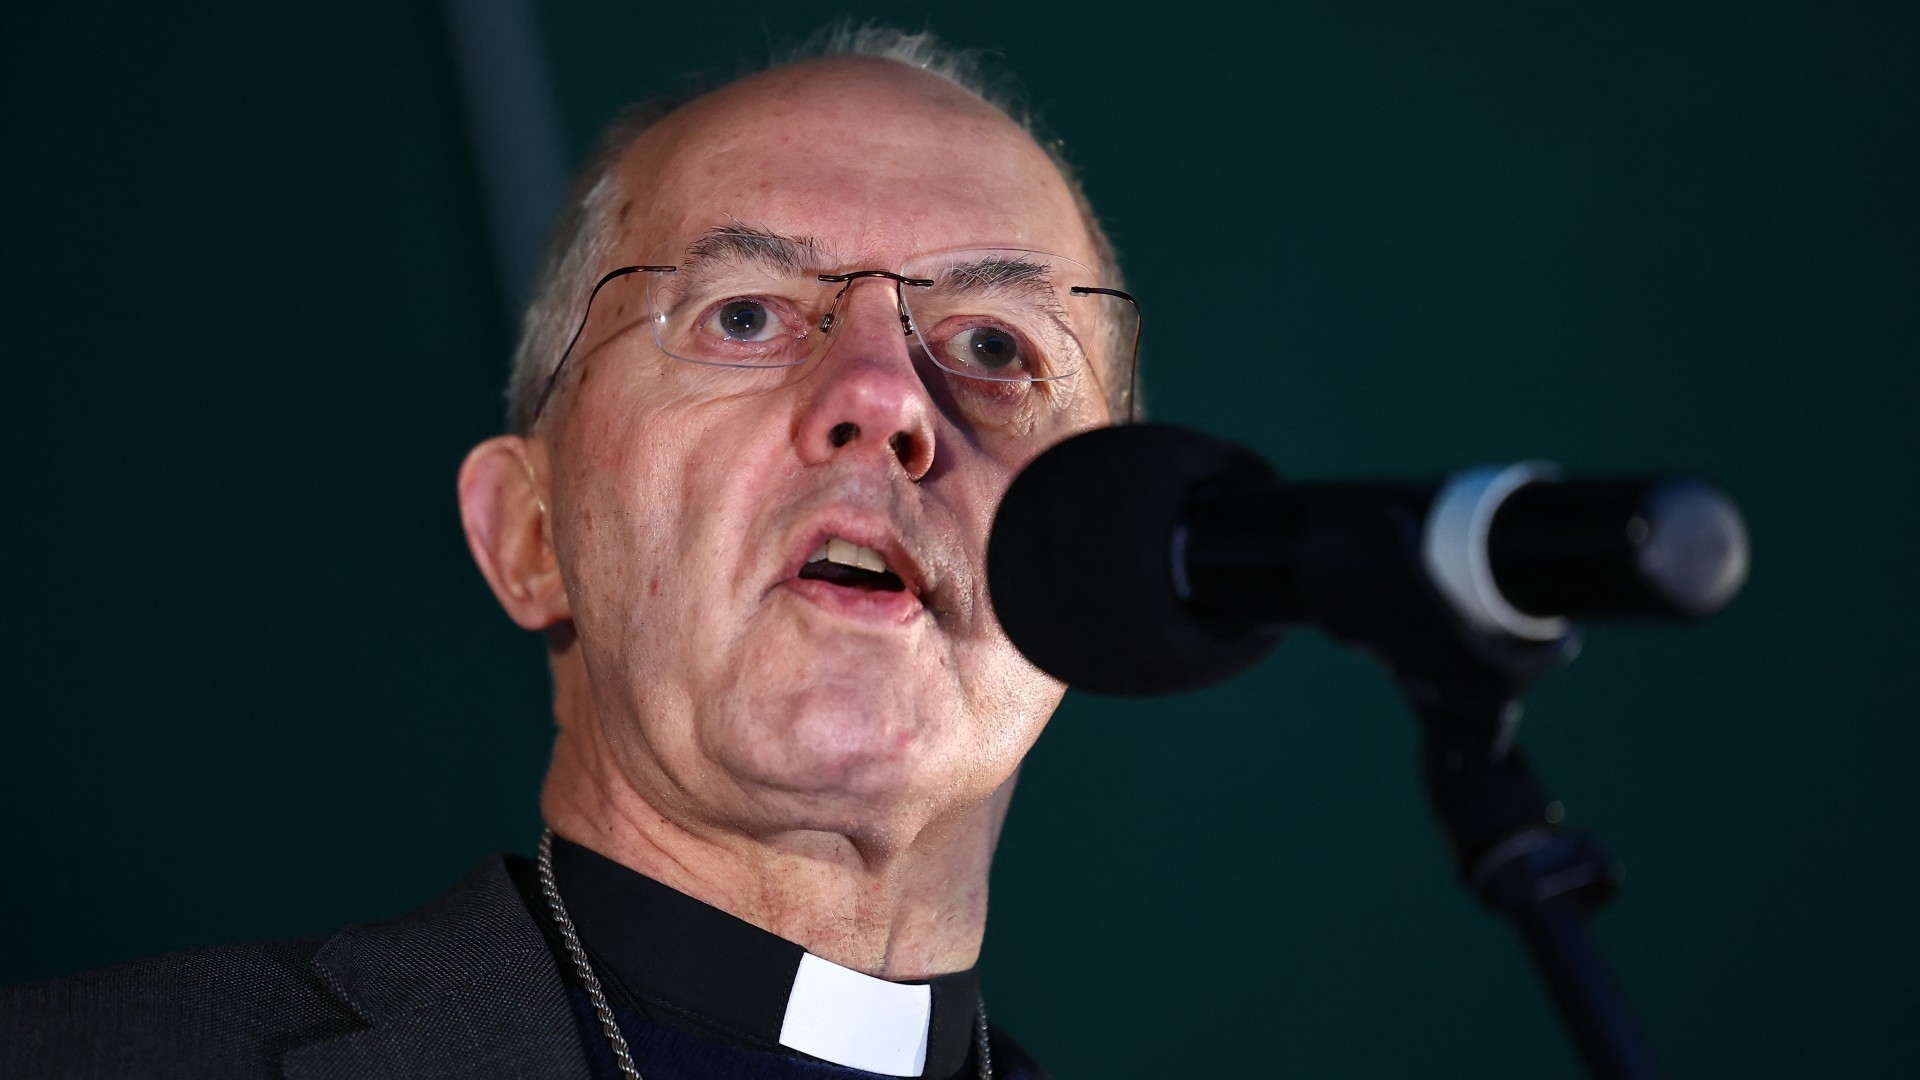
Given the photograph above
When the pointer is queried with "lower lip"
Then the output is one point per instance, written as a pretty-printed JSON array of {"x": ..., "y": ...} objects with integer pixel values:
[{"x": 867, "y": 605}]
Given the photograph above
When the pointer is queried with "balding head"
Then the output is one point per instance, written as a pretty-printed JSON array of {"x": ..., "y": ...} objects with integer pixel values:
[
  {"x": 596, "y": 214},
  {"x": 886, "y": 159},
  {"x": 764, "y": 583}
]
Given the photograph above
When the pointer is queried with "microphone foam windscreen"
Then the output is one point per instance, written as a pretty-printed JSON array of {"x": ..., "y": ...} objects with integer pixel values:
[{"x": 1080, "y": 562}]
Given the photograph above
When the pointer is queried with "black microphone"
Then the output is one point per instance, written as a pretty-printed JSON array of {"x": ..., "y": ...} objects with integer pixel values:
[{"x": 1148, "y": 559}]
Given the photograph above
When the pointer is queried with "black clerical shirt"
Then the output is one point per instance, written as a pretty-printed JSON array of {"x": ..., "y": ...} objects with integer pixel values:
[{"x": 675, "y": 967}]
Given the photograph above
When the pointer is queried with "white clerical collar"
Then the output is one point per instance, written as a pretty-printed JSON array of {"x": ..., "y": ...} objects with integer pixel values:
[
  {"x": 840, "y": 1015},
  {"x": 729, "y": 979}
]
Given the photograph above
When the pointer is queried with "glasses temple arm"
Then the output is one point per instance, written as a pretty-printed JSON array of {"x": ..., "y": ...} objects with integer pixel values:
[
  {"x": 546, "y": 389},
  {"x": 1133, "y": 363}
]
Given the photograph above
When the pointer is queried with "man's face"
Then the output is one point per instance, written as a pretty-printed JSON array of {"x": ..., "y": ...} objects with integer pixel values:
[{"x": 735, "y": 690}]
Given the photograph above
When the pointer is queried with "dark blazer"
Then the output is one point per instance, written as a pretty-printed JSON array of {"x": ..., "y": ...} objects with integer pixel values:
[{"x": 463, "y": 987}]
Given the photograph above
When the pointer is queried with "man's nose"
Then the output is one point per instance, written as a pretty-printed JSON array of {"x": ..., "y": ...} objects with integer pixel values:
[{"x": 867, "y": 396}]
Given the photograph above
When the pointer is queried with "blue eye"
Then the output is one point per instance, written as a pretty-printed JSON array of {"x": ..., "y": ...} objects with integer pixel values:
[
  {"x": 743, "y": 320},
  {"x": 989, "y": 349}
]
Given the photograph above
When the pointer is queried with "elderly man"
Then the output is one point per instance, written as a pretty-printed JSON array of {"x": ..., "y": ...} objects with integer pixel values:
[{"x": 795, "y": 338}]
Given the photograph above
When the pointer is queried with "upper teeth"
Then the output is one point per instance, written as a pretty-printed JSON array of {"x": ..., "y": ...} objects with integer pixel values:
[{"x": 847, "y": 553}]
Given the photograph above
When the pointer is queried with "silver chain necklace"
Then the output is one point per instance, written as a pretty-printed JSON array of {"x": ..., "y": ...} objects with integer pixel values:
[{"x": 621, "y": 1055}]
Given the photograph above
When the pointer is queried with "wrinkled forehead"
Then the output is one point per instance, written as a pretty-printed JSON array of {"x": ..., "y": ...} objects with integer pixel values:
[{"x": 869, "y": 160}]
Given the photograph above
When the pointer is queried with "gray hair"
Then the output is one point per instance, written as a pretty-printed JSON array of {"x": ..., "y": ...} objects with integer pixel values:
[{"x": 582, "y": 237}]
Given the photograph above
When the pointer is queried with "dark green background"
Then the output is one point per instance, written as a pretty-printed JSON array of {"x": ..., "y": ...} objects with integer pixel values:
[{"x": 252, "y": 687}]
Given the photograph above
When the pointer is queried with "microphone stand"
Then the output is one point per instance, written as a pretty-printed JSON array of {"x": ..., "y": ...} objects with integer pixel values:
[
  {"x": 1501, "y": 825},
  {"x": 1512, "y": 854},
  {"x": 1215, "y": 558},
  {"x": 1218, "y": 558}
]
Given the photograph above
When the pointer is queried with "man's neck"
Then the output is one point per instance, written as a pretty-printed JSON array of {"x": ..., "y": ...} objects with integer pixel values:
[{"x": 911, "y": 908}]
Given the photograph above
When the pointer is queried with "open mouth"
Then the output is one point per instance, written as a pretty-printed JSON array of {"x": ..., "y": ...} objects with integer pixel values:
[{"x": 844, "y": 563}]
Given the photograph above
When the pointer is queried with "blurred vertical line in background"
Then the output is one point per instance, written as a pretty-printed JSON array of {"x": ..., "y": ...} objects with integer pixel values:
[{"x": 513, "y": 127}]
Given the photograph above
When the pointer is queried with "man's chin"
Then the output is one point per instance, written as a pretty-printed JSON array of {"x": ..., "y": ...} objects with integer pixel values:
[
  {"x": 846, "y": 773},
  {"x": 874, "y": 763}
]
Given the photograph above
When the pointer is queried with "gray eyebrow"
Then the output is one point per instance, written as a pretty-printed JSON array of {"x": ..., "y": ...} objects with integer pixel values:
[
  {"x": 746, "y": 244},
  {"x": 996, "y": 274}
]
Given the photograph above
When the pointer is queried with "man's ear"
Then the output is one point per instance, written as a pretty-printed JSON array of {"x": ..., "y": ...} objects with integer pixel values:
[{"x": 503, "y": 505}]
